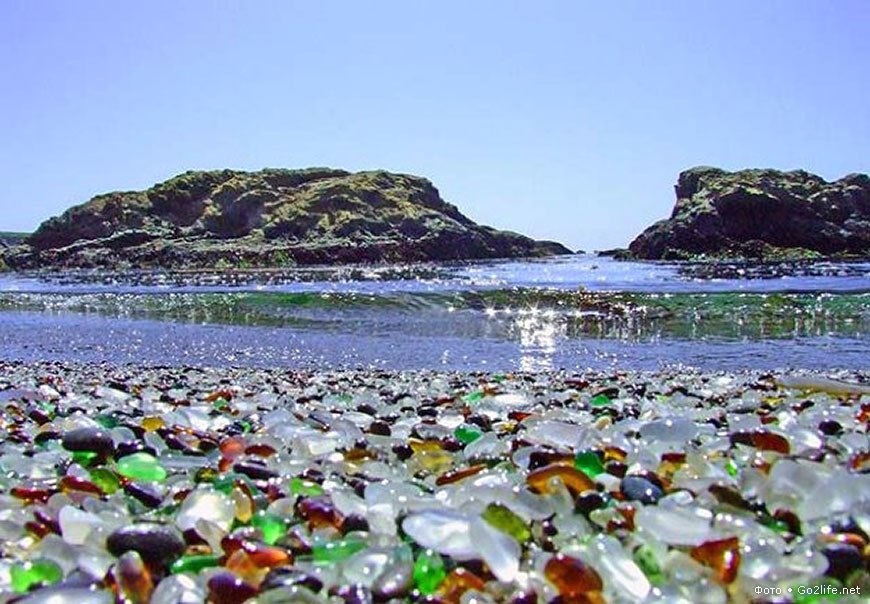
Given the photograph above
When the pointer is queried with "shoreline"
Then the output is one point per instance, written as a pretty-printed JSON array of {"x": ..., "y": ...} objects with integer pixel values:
[{"x": 622, "y": 485}]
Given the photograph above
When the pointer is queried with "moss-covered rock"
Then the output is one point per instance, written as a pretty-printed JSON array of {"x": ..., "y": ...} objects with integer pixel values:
[
  {"x": 761, "y": 215},
  {"x": 269, "y": 218}
]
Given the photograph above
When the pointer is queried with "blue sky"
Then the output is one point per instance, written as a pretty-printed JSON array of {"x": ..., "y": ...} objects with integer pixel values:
[{"x": 562, "y": 120}]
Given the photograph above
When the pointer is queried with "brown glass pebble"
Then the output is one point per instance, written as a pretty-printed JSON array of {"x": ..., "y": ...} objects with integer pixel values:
[
  {"x": 722, "y": 555},
  {"x": 265, "y": 556},
  {"x": 571, "y": 576},
  {"x": 460, "y": 474},
  {"x": 319, "y": 512},
  {"x": 457, "y": 583},
  {"x": 576, "y": 481},
  {"x": 260, "y": 450},
  {"x": 232, "y": 447},
  {"x": 133, "y": 578}
]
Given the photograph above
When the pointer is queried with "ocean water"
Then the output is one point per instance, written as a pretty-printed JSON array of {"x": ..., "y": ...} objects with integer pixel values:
[{"x": 571, "y": 313}]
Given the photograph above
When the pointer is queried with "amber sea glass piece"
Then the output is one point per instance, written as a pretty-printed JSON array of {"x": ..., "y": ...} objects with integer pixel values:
[
  {"x": 457, "y": 583},
  {"x": 457, "y": 475},
  {"x": 722, "y": 555},
  {"x": 576, "y": 481},
  {"x": 571, "y": 576}
]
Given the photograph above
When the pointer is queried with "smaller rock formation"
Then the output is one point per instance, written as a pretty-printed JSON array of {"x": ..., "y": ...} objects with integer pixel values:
[{"x": 761, "y": 214}]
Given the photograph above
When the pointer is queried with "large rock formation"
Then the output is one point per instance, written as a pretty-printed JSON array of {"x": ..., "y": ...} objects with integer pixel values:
[
  {"x": 761, "y": 214},
  {"x": 268, "y": 218}
]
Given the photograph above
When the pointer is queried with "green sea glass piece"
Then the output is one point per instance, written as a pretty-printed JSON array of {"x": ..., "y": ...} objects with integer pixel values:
[
  {"x": 466, "y": 434},
  {"x": 473, "y": 397},
  {"x": 335, "y": 551},
  {"x": 142, "y": 467},
  {"x": 429, "y": 572},
  {"x": 225, "y": 484},
  {"x": 194, "y": 564},
  {"x": 37, "y": 572},
  {"x": 272, "y": 526},
  {"x": 105, "y": 479},
  {"x": 589, "y": 463},
  {"x": 600, "y": 400},
  {"x": 84, "y": 458},
  {"x": 731, "y": 468},
  {"x": 107, "y": 421},
  {"x": 502, "y": 518},
  {"x": 306, "y": 488},
  {"x": 646, "y": 560}
]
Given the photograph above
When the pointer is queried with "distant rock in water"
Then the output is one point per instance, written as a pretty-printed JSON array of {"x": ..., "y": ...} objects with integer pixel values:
[
  {"x": 8, "y": 239},
  {"x": 270, "y": 218},
  {"x": 761, "y": 214}
]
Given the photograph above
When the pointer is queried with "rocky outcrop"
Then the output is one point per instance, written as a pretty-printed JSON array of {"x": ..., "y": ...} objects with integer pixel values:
[
  {"x": 269, "y": 218},
  {"x": 761, "y": 214}
]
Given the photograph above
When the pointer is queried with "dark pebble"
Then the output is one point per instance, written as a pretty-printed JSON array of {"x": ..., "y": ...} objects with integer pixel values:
[
  {"x": 549, "y": 529},
  {"x": 367, "y": 409},
  {"x": 207, "y": 445},
  {"x": 146, "y": 495},
  {"x": 39, "y": 416},
  {"x": 285, "y": 576},
  {"x": 355, "y": 522},
  {"x": 43, "y": 437},
  {"x": 403, "y": 451},
  {"x": 843, "y": 560},
  {"x": 312, "y": 474},
  {"x": 452, "y": 445},
  {"x": 255, "y": 471},
  {"x": 830, "y": 427},
  {"x": 297, "y": 541},
  {"x": 481, "y": 421},
  {"x": 226, "y": 588},
  {"x": 638, "y": 488},
  {"x": 589, "y": 502},
  {"x": 540, "y": 459},
  {"x": 729, "y": 496},
  {"x": 158, "y": 544},
  {"x": 133, "y": 446},
  {"x": 848, "y": 525},
  {"x": 616, "y": 468},
  {"x": 191, "y": 537},
  {"x": 174, "y": 442},
  {"x": 380, "y": 428},
  {"x": 742, "y": 437},
  {"x": 89, "y": 439}
]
